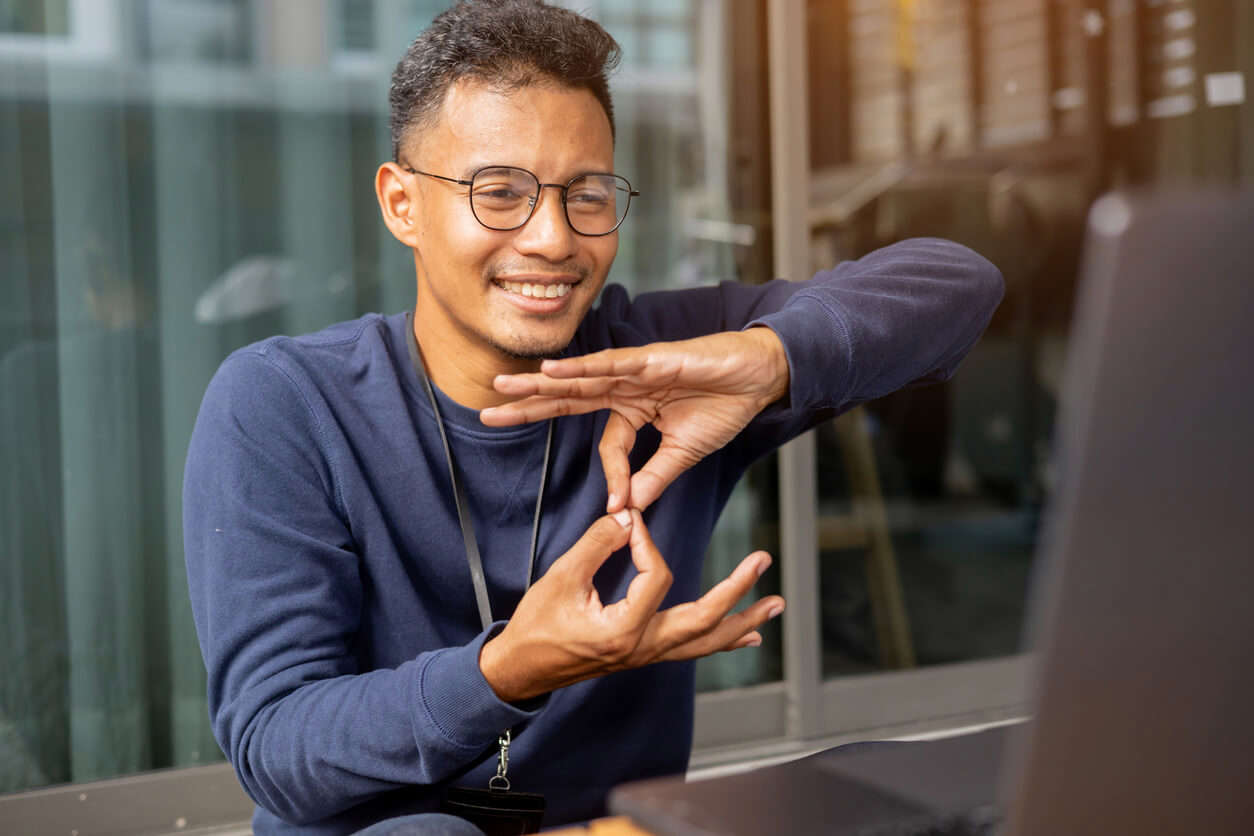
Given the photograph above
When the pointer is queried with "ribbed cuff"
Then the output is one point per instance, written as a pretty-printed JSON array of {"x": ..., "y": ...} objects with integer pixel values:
[
  {"x": 455, "y": 699},
  {"x": 817, "y": 349}
]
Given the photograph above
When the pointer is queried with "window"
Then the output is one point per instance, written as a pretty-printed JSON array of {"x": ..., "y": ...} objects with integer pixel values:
[{"x": 27, "y": 17}]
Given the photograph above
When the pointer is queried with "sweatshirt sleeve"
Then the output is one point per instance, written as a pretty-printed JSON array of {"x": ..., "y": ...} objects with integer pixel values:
[
  {"x": 277, "y": 597},
  {"x": 907, "y": 313}
]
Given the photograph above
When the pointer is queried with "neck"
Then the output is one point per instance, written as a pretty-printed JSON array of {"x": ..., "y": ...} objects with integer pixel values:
[{"x": 465, "y": 373}]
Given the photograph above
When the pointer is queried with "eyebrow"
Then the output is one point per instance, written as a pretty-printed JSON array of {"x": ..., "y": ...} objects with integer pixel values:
[{"x": 468, "y": 173}]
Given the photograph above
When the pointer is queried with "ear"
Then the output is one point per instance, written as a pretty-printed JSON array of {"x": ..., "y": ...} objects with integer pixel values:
[{"x": 393, "y": 187}]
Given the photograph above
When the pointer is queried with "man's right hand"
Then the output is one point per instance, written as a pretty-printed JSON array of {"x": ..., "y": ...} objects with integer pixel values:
[{"x": 561, "y": 633}]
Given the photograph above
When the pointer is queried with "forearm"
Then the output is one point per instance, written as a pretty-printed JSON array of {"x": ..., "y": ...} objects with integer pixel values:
[
  {"x": 775, "y": 357},
  {"x": 904, "y": 313},
  {"x": 329, "y": 745}
]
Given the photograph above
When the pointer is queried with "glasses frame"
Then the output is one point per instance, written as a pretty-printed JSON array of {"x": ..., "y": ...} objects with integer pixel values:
[{"x": 534, "y": 201}]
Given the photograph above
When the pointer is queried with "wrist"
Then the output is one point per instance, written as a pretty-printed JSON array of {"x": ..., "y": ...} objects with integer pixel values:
[
  {"x": 502, "y": 674},
  {"x": 776, "y": 359},
  {"x": 494, "y": 665}
]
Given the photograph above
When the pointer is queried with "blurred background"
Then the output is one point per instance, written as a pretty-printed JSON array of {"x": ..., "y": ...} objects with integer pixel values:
[{"x": 182, "y": 177}]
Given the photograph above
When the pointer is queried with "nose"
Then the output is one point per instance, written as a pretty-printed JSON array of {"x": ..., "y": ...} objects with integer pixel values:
[{"x": 547, "y": 233}]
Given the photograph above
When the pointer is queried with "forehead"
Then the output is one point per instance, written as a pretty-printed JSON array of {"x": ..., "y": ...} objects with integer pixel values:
[{"x": 552, "y": 130}]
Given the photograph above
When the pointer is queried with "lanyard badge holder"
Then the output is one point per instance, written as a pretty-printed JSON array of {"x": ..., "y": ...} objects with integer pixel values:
[{"x": 497, "y": 810}]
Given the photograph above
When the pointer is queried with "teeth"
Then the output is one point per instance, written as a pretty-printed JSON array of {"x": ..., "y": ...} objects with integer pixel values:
[{"x": 537, "y": 291}]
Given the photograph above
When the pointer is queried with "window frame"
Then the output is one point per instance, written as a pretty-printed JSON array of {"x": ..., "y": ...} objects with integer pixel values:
[
  {"x": 803, "y": 706},
  {"x": 94, "y": 33}
]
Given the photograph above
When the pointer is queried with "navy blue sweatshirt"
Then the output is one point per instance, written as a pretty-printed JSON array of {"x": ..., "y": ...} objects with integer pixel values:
[{"x": 327, "y": 571}]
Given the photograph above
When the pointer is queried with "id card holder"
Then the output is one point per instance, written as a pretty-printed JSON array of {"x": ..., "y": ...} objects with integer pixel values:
[{"x": 496, "y": 812}]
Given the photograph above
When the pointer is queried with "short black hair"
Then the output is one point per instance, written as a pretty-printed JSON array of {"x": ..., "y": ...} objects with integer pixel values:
[{"x": 508, "y": 44}]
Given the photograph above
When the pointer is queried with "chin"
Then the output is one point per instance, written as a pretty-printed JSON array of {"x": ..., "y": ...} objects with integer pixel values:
[
  {"x": 535, "y": 338},
  {"x": 531, "y": 349}
]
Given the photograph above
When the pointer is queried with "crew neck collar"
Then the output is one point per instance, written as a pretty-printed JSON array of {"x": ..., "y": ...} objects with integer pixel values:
[{"x": 459, "y": 419}]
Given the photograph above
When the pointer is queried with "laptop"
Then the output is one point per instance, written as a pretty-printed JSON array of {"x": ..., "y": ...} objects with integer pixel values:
[{"x": 1141, "y": 613}]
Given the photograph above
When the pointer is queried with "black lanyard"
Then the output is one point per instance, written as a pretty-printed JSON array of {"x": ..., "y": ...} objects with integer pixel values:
[
  {"x": 459, "y": 492},
  {"x": 498, "y": 783}
]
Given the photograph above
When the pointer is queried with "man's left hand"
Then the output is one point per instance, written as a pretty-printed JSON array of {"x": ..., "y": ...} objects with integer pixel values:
[{"x": 699, "y": 393}]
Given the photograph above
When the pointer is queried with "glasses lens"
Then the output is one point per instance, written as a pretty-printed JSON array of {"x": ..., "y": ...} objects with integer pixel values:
[
  {"x": 502, "y": 197},
  {"x": 597, "y": 203}
]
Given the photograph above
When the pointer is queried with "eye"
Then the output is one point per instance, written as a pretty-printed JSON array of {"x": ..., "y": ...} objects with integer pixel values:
[
  {"x": 503, "y": 188},
  {"x": 502, "y": 192},
  {"x": 588, "y": 196},
  {"x": 500, "y": 197}
]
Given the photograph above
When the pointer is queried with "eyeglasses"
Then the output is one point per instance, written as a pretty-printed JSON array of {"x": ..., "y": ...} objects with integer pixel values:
[{"x": 503, "y": 198}]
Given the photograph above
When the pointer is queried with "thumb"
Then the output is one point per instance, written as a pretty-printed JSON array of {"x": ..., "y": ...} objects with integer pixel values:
[
  {"x": 604, "y": 537},
  {"x": 617, "y": 440},
  {"x": 653, "y": 580}
]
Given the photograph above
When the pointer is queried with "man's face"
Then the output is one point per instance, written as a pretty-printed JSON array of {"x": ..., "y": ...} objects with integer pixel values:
[{"x": 471, "y": 278}]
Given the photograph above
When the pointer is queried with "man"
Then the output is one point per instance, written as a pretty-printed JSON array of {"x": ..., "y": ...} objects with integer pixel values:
[{"x": 358, "y": 667}]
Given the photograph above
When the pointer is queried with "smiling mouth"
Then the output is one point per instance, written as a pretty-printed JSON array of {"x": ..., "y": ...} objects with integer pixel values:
[{"x": 536, "y": 290}]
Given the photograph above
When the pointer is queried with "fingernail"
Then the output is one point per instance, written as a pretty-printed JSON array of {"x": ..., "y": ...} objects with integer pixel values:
[
  {"x": 613, "y": 500},
  {"x": 774, "y": 611},
  {"x": 623, "y": 517},
  {"x": 755, "y": 641},
  {"x": 763, "y": 564}
]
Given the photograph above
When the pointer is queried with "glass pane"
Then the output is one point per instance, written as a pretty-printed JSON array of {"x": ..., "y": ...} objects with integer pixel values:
[
  {"x": 357, "y": 25},
  {"x": 34, "y": 17},
  {"x": 205, "y": 187},
  {"x": 997, "y": 132},
  {"x": 211, "y": 31}
]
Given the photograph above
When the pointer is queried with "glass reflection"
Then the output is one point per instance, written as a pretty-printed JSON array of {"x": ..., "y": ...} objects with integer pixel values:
[{"x": 996, "y": 125}]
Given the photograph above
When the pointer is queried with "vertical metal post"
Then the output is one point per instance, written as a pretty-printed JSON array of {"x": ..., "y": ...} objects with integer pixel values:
[
  {"x": 1054, "y": 35},
  {"x": 975, "y": 72},
  {"x": 1142, "y": 37},
  {"x": 790, "y": 164},
  {"x": 906, "y": 59},
  {"x": 714, "y": 80},
  {"x": 1097, "y": 88},
  {"x": 1245, "y": 64}
]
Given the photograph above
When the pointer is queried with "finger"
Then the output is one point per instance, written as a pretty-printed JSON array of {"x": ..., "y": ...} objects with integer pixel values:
[
  {"x": 721, "y": 597},
  {"x": 538, "y": 408},
  {"x": 752, "y": 639},
  {"x": 604, "y": 537},
  {"x": 612, "y": 362},
  {"x": 685, "y": 622},
  {"x": 648, "y": 588},
  {"x": 664, "y": 467},
  {"x": 617, "y": 440},
  {"x": 733, "y": 631},
  {"x": 522, "y": 385}
]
